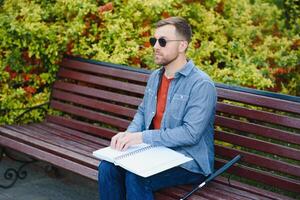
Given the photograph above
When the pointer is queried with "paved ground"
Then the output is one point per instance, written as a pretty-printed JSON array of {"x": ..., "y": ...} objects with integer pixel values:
[{"x": 40, "y": 185}]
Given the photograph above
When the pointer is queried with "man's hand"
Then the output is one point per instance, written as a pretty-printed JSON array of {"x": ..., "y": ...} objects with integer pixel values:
[{"x": 123, "y": 140}]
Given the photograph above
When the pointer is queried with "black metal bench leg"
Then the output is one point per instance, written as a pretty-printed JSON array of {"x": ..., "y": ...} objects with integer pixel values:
[{"x": 13, "y": 174}]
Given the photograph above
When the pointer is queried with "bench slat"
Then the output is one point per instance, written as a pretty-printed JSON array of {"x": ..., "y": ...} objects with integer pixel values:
[
  {"x": 61, "y": 152},
  {"x": 97, "y": 93},
  {"x": 81, "y": 126},
  {"x": 56, "y": 139},
  {"x": 107, "y": 70},
  {"x": 213, "y": 193},
  {"x": 263, "y": 177},
  {"x": 100, "y": 81},
  {"x": 251, "y": 158},
  {"x": 49, "y": 157},
  {"x": 92, "y": 103},
  {"x": 258, "y": 100},
  {"x": 252, "y": 190},
  {"x": 48, "y": 138},
  {"x": 85, "y": 145},
  {"x": 257, "y": 129},
  {"x": 89, "y": 114},
  {"x": 259, "y": 115},
  {"x": 206, "y": 193},
  {"x": 258, "y": 145},
  {"x": 79, "y": 134},
  {"x": 238, "y": 193},
  {"x": 177, "y": 193}
]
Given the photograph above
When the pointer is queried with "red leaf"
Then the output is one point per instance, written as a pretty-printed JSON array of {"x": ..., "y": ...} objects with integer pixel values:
[
  {"x": 147, "y": 44},
  {"x": 165, "y": 15},
  {"x": 26, "y": 77},
  {"x": 107, "y": 7},
  {"x": 135, "y": 60},
  {"x": 8, "y": 69},
  {"x": 197, "y": 44},
  {"x": 29, "y": 89},
  {"x": 13, "y": 75},
  {"x": 296, "y": 44},
  {"x": 146, "y": 23},
  {"x": 145, "y": 34}
]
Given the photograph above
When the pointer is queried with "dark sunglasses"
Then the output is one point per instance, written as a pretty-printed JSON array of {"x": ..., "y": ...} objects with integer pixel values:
[{"x": 161, "y": 41}]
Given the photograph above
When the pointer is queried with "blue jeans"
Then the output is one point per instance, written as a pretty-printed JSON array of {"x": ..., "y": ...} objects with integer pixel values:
[{"x": 116, "y": 183}]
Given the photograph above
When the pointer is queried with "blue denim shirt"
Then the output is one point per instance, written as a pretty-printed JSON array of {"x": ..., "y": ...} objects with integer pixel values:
[{"x": 187, "y": 125}]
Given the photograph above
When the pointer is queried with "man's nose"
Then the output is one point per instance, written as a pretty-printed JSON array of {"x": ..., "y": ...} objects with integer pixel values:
[{"x": 156, "y": 45}]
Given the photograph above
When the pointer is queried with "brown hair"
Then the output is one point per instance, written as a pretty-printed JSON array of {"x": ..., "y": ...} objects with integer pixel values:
[{"x": 181, "y": 25}]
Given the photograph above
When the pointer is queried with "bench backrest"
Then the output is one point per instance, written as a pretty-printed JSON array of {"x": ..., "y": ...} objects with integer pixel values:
[{"x": 101, "y": 99}]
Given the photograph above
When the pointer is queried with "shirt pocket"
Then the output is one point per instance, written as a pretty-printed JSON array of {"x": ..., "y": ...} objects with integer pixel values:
[{"x": 178, "y": 105}]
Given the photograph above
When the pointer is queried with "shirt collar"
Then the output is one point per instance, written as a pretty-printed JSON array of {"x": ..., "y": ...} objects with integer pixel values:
[{"x": 186, "y": 69}]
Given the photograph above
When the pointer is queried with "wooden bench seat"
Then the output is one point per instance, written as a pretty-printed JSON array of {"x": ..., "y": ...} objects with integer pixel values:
[
  {"x": 96, "y": 100},
  {"x": 37, "y": 140}
]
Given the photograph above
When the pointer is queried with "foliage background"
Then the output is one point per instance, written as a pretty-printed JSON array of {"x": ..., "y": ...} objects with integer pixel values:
[{"x": 252, "y": 43}]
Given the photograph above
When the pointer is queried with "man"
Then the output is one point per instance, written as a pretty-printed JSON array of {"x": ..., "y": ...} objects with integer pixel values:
[{"x": 177, "y": 111}]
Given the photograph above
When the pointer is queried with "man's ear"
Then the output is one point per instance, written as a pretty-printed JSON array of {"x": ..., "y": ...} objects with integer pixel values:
[{"x": 183, "y": 46}]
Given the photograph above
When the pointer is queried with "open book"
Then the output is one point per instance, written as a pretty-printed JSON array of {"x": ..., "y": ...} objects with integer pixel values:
[{"x": 143, "y": 159}]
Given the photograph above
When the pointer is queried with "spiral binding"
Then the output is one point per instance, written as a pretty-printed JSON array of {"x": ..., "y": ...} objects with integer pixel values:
[{"x": 134, "y": 152}]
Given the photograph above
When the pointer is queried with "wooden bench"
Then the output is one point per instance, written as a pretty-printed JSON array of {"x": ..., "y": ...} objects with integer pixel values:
[{"x": 99, "y": 99}]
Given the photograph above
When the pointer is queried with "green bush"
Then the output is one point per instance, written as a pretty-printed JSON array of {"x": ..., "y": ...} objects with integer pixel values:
[
  {"x": 241, "y": 42},
  {"x": 34, "y": 35}
]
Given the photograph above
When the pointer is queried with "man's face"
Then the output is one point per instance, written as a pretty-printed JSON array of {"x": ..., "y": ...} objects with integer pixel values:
[{"x": 165, "y": 55}]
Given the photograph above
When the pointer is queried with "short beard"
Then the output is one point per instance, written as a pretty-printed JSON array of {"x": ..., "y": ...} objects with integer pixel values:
[{"x": 167, "y": 62}]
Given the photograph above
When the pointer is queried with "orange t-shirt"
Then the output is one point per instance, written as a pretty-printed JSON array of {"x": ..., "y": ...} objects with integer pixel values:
[{"x": 161, "y": 101}]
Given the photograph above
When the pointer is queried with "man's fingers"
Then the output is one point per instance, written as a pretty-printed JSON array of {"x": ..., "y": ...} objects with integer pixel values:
[
  {"x": 113, "y": 142},
  {"x": 121, "y": 142},
  {"x": 115, "y": 139},
  {"x": 117, "y": 146},
  {"x": 126, "y": 146}
]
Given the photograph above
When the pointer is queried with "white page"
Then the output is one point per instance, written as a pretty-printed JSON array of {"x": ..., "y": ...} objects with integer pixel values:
[
  {"x": 163, "y": 166},
  {"x": 109, "y": 154},
  {"x": 152, "y": 161}
]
